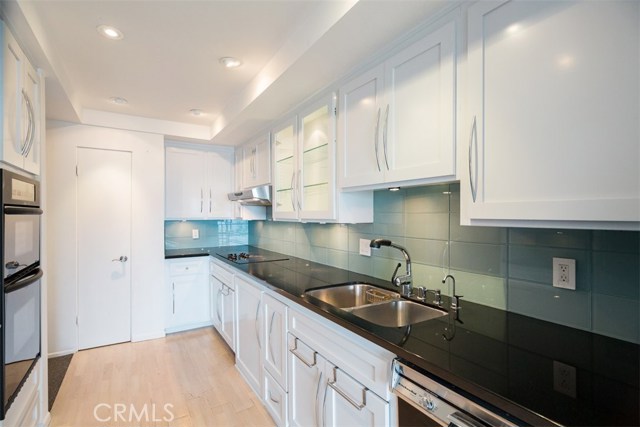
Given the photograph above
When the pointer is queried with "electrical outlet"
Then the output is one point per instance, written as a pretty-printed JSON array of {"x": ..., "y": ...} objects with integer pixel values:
[
  {"x": 195, "y": 233},
  {"x": 564, "y": 379},
  {"x": 365, "y": 249},
  {"x": 564, "y": 273}
]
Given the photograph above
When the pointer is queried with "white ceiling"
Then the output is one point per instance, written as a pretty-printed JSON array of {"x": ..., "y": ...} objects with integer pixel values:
[{"x": 167, "y": 62}]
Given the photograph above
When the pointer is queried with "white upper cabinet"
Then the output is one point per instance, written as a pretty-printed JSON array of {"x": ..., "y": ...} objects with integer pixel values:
[
  {"x": 198, "y": 183},
  {"x": 551, "y": 129},
  {"x": 256, "y": 162},
  {"x": 22, "y": 111},
  {"x": 397, "y": 121},
  {"x": 304, "y": 178}
]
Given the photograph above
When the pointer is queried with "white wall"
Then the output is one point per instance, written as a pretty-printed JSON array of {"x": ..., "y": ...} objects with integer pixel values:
[{"x": 147, "y": 252}]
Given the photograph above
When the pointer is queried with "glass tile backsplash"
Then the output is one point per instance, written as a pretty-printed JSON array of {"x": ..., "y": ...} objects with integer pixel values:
[
  {"x": 212, "y": 233},
  {"x": 506, "y": 268}
]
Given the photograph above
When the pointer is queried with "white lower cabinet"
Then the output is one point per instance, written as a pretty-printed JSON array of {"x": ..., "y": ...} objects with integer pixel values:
[
  {"x": 321, "y": 394},
  {"x": 275, "y": 339},
  {"x": 275, "y": 399},
  {"x": 306, "y": 381},
  {"x": 250, "y": 334},
  {"x": 349, "y": 403},
  {"x": 223, "y": 302},
  {"x": 188, "y": 303}
]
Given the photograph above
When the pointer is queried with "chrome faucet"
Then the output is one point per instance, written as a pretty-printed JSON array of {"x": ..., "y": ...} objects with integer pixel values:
[
  {"x": 403, "y": 282},
  {"x": 455, "y": 299}
]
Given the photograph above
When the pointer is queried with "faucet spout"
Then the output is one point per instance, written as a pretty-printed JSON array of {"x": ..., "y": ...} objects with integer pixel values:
[
  {"x": 404, "y": 282},
  {"x": 455, "y": 299}
]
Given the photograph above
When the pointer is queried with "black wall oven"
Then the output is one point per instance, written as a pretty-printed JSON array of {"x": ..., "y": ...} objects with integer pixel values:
[{"x": 20, "y": 258}]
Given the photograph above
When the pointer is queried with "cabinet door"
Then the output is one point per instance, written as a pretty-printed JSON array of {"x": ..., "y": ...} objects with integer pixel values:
[
  {"x": 227, "y": 309},
  {"x": 360, "y": 157},
  {"x": 219, "y": 184},
  {"x": 349, "y": 403},
  {"x": 316, "y": 173},
  {"x": 553, "y": 120},
  {"x": 31, "y": 85},
  {"x": 14, "y": 131},
  {"x": 306, "y": 382},
  {"x": 185, "y": 183},
  {"x": 216, "y": 302},
  {"x": 189, "y": 302},
  {"x": 418, "y": 120},
  {"x": 257, "y": 162},
  {"x": 286, "y": 204},
  {"x": 275, "y": 339},
  {"x": 249, "y": 330}
]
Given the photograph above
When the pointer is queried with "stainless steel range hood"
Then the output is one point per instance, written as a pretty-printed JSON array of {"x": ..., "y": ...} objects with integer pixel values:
[{"x": 258, "y": 196}]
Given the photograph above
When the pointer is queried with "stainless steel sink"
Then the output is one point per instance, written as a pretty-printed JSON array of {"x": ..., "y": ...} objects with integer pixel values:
[
  {"x": 397, "y": 313},
  {"x": 352, "y": 295}
]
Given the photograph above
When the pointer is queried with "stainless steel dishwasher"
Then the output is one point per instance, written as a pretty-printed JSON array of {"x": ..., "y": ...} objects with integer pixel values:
[{"x": 423, "y": 401}]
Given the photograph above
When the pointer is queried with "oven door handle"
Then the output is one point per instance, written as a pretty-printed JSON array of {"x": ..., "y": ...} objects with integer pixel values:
[
  {"x": 24, "y": 282},
  {"x": 19, "y": 210}
]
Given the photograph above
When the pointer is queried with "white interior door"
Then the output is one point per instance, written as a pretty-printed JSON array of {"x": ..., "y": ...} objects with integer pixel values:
[{"x": 104, "y": 246}]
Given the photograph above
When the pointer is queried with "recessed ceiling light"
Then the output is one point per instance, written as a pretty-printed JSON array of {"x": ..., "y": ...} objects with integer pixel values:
[
  {"x": 118, "y": 100},
  {"x": 196, "y": 112},
  {"x": 230, "y": 62},
  {"x": 112, "y": 33}
]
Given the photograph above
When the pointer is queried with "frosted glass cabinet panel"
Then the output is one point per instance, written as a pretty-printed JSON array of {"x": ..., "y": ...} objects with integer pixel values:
[
  {"x": 552, "y": 128},
  {"x": 285, "y": 170}
]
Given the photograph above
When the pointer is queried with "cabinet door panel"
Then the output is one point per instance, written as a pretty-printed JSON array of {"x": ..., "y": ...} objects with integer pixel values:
[
  {"x": 185, "y": 183},
  {"x": 227, "y": 308},
  {"x": 360, "y": 157},
  {"x": 306, "y": 381},
  {"x": 285, "y": 178},
  {"x": 275, "y": 339},
  {"x": 421, "y": 100},
  {"x": 219, "y": 185},
  {"x": 13, "y": 101},
  {"x": 348, "y": 402},
  {"x": 554, "y": 98},
  {"x": 249, "y": 328}
]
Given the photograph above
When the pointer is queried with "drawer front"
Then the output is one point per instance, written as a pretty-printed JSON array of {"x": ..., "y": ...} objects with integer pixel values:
[
  {"x": 275, "y": 400},
  {"x": 221, "y": 273},
  {"x": 185, "y": 268}
]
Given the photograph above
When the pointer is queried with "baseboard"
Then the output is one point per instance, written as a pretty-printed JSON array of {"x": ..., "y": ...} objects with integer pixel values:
[
  {"x": 62, "y": 353},
  {"x": 147, "y": 336},
  {"x": 181, "y": 328}
]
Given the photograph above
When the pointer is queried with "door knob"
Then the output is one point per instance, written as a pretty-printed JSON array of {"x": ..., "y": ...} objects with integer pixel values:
[{"x": 121, "y": 259}]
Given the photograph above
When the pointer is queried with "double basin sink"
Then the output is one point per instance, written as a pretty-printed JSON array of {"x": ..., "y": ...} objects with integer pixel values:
[{"x": 376, "y": 305}]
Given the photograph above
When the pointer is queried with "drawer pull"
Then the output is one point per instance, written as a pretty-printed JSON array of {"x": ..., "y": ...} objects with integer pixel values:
[
  {"x": 294, "y": 351},
  {"x": 276, "y": 401},
  {"x": 358, "y": 406}
]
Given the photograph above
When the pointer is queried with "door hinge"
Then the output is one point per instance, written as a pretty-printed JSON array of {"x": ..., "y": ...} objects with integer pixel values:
[
  {"x": 76, "y": 170},
  {"x": 335, "y": 111}
]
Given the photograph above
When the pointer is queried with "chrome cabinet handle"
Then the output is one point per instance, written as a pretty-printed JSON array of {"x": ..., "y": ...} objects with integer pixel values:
[
  {"x": 32, "y": 124},
  {"x": 384, "y": 136},
  {"x": 173, "y": 295},
  {"x": 300, "y": 187},
  {"x": 273, "y": 400},
  {"x": 201, "y": 200},
  {"x": 294, "y": 351},
  {"x": 273, "y": 358},
  {"x": 293, "y": 192},
  {"x": 210, "y": 198},
  {"x": 473, "y": 138},
  {"x": 253, "y": 162},
  {"x": 123, "y": 258},
  {"x": 28, "y": 137},
  {"x": 358, "y": 406},
  {"x": 255, "y": 324},
  {"x": 376, "y": 140},
  {"x": 219, "y": 304}
]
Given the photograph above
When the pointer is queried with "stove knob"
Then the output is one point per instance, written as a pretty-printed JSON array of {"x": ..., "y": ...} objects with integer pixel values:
[{"x": 427, "y": 403}]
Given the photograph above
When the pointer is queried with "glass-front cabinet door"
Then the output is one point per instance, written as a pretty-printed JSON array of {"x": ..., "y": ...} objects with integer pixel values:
[
  {"x": 303, "y": 164},
  {"x": 285, "y": 170},
  {"x": 317, "y": 171}
]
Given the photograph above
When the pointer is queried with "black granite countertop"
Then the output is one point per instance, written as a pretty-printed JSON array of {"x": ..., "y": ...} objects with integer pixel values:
[{"x": 507, "y": 360}]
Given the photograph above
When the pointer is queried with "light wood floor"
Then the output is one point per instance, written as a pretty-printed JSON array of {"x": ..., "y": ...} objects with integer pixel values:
[{"x": 192, "y": 371}]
